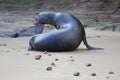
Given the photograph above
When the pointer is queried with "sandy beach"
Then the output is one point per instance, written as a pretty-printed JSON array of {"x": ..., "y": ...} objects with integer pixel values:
[{"x": 17, "y": 63}]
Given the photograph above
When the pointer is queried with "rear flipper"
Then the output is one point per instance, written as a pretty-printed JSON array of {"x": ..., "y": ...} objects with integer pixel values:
[{"x": 89, "y": 47}]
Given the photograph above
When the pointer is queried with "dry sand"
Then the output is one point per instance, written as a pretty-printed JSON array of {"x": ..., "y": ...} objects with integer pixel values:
[{"x": 16, "y": 63}]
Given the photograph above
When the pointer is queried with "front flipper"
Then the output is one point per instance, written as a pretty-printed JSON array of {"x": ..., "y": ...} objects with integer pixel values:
[
  {"x": 31, "y": 44},
  {"x": 30, "y": 48},
  {"x": 38, "y": 28}
]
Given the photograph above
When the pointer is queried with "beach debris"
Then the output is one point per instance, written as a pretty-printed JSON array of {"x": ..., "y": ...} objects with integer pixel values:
[
  {"x": 56, "y": 59},
  {"x": 111, "y": 72},
  {"x": 15, "y": 35},
  {"x": 71, "y": 56},
  {"x": 72, "y": 60},
  {"x": 27, "y": 54},
  {"x": 38, "y": 57},
  {"x": 8, "y": 51},
  {"x": 76, "y": 74},
  {"x": 13, "y": 49},
  {"x": 3, "y": 44},
  {"x": 89, "y": 37},
  {"x": 98, "y": 36},
  {"x": 45, "y": 52},
  {"x": 93, "y": 74},
  {"x": 88, "y": 65},
  {"x": 53, "y": 64},
  {"x": 107, "y": 77},
  {"x": 49, "y": 54},
  {"x": 49, "y": 68},
  {"x": 114, "y": 28},
  {"x": 0, "y": 44}
]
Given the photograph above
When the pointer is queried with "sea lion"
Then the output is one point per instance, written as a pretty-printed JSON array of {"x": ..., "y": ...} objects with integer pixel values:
[{"x": 68, "y": 36}]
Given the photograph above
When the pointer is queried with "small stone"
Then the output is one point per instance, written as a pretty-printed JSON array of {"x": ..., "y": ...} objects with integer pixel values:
[
  {"x": 107, "y": 77},
  {"x": 49, "y": 54},
  {"x": 93, "y": 74},
  {"x": 89, "y": 37},
  {"x": 13, "y": 49},
  {"x": 98, "y": 36},
  {"x": 7, "y": 50},
  {"x": 45, "y": 52},
  {"x": 0, "y": 44},
  {"x": 111, "y": 72},
  {"x": 72, "y": 60},
  {"x": 53, "y": 64},
  {"x": 37, "y": 13},
  {"x": 27, "y": 54},
  {"x": 76, "y": 73},
  {"x": 88, "y": 65},
  {"x": 71, "y": 56},
  {"x": 49, "y": 68},
  {"x": 38, "y": 57},
  {"x": 4, "y": 44},
  {"x": 56, "y": 59}
]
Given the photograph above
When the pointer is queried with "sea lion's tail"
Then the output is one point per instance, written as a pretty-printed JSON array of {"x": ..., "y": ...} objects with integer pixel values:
[{"x": 87, "y": 45}]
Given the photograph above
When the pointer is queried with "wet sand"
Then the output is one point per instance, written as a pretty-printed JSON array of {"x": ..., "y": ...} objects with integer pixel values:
[{"x": 17, "y": 63}]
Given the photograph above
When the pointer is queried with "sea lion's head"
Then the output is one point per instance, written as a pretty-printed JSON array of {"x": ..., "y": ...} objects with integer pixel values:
[{"x": 45, "y": 18}]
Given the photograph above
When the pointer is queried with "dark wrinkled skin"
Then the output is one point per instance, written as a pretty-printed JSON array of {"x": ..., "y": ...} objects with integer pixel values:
[{"x": 68, "y": 36}]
